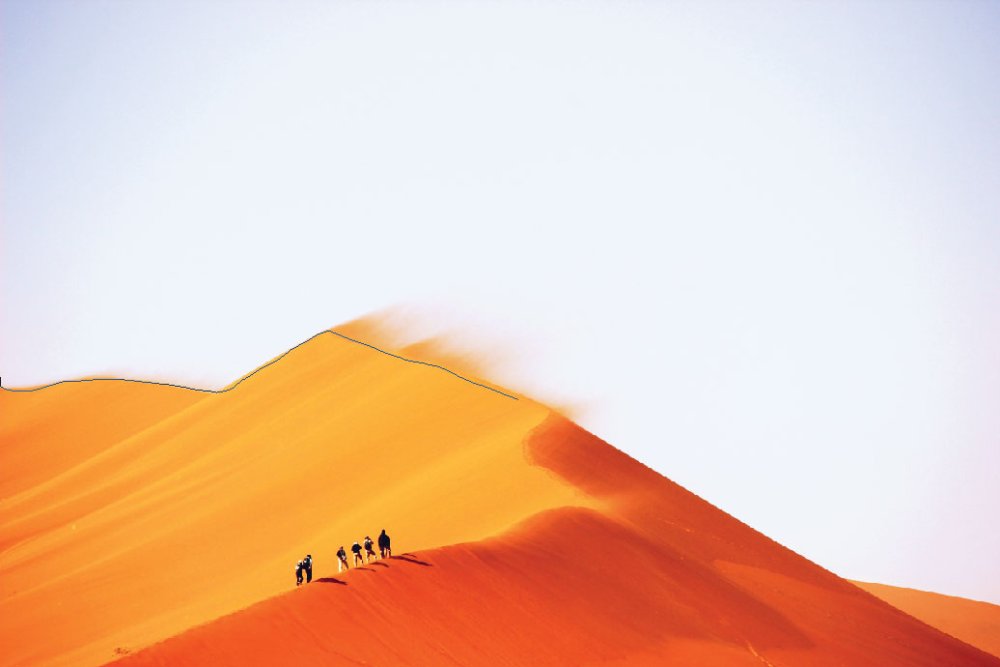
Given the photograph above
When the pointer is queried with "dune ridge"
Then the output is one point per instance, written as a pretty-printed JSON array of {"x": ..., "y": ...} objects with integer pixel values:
[
  {"x": 236, "y": 383},
  {"x": 170, "y": 530}
]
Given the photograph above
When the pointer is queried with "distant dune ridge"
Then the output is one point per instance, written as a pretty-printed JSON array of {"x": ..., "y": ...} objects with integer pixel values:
[
  {"x": 161, "y": 526},
  {"x": 972, "y": 621}
]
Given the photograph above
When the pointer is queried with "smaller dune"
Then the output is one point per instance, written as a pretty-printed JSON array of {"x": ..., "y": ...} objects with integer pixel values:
[{"x": 976, "y": 623}]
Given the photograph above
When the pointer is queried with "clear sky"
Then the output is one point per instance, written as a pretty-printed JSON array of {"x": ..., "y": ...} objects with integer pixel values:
[{"x": 758, "y": 245}]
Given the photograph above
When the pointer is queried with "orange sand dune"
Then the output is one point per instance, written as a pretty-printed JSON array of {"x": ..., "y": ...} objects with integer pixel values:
[
  {"x": 656, "y": 576},
  {"x": 974, "y": 622},
  {"x": 541, "y": 543}
]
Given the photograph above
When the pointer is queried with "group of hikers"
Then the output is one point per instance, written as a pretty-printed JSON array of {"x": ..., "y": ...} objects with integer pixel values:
[{"x": 305, "y": 566}]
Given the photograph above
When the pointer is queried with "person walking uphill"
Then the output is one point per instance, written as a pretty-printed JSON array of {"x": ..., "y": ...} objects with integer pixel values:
[
  {"x": 356, "y": 548},
  {"x": 383, "y": 545},
  {"x": 308, "y": 565},
  {"x": 298, "y": 572},
  {"x": 342, "y": 560},
  {"x": 369, "y": 549}
]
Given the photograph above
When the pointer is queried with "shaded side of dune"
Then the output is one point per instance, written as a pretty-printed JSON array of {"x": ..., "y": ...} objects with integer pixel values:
[
  {"x": 841, "y": 623},
  {"x": 656, "y": 576}
]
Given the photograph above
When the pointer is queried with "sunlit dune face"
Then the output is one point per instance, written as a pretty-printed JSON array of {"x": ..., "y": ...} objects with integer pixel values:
[{"x": 165, "y": 508}]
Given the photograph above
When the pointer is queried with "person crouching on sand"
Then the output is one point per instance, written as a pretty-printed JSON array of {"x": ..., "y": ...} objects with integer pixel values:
[
  {"x": 342, "y": 560},
  {"x": 298, "y": 572},
  {"x": 356, "y": 548},
  {"x": 383, "y": 545},
  {"x": 369, "y": 549}
]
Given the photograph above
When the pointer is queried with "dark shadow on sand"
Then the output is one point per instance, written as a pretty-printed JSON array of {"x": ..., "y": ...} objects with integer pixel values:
[
  {"x": 331, "y": 580},
  {"x": 410, "y": 558}
]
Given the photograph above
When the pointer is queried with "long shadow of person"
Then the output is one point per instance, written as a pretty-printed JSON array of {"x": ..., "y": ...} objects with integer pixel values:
[{"x": 410, "y": 558}]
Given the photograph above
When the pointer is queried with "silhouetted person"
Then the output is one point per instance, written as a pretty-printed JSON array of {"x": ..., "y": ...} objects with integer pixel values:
[
  {"x": 308, "y": 565},
  {"x": 356, "y": 548},
  {"x": 342, "y": 560},
  {"x": 369, "y": 549},
  {"x": 298, "y": 572},
  {"x": 383, "y": 545}
]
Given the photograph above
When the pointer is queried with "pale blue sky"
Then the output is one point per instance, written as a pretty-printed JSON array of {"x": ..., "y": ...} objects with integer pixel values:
[{"x": 758, "y": 245}]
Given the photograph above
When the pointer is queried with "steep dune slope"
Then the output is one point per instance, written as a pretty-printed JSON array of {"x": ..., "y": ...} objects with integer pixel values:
[
  {"x": 655, "y": 576},
  {"x": 974, "y": 622},
  {"x": 197, "y": 505}
]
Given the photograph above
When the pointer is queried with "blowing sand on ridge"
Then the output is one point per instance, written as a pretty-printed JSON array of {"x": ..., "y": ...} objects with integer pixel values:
[{"x": 176, "y": 513}]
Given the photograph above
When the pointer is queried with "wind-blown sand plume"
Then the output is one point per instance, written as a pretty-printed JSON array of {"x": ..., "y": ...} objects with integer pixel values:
[
  {"x": 531, "y": 541},
  {"x": 974, "y": 622}
]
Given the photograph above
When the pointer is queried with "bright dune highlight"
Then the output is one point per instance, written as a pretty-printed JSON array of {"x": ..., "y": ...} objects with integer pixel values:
[{"x": 163, "y": 524}]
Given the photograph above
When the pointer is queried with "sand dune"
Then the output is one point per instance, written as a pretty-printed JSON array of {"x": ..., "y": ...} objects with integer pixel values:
[
  {"x": 974, "y": 622},
  {"x": 154, "y": 511}
]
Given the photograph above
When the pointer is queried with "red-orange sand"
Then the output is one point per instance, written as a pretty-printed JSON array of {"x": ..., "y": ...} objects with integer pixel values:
[
  {"x": 974, "y": 622},
  {"x": 134, "y": 514}
]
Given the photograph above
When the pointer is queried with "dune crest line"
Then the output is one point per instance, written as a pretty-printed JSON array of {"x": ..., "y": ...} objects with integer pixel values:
[{"x": 249, "y": 375}]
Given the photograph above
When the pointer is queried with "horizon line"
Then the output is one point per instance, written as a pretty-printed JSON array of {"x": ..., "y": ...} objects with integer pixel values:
[{"x": 237, "y": 383}]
